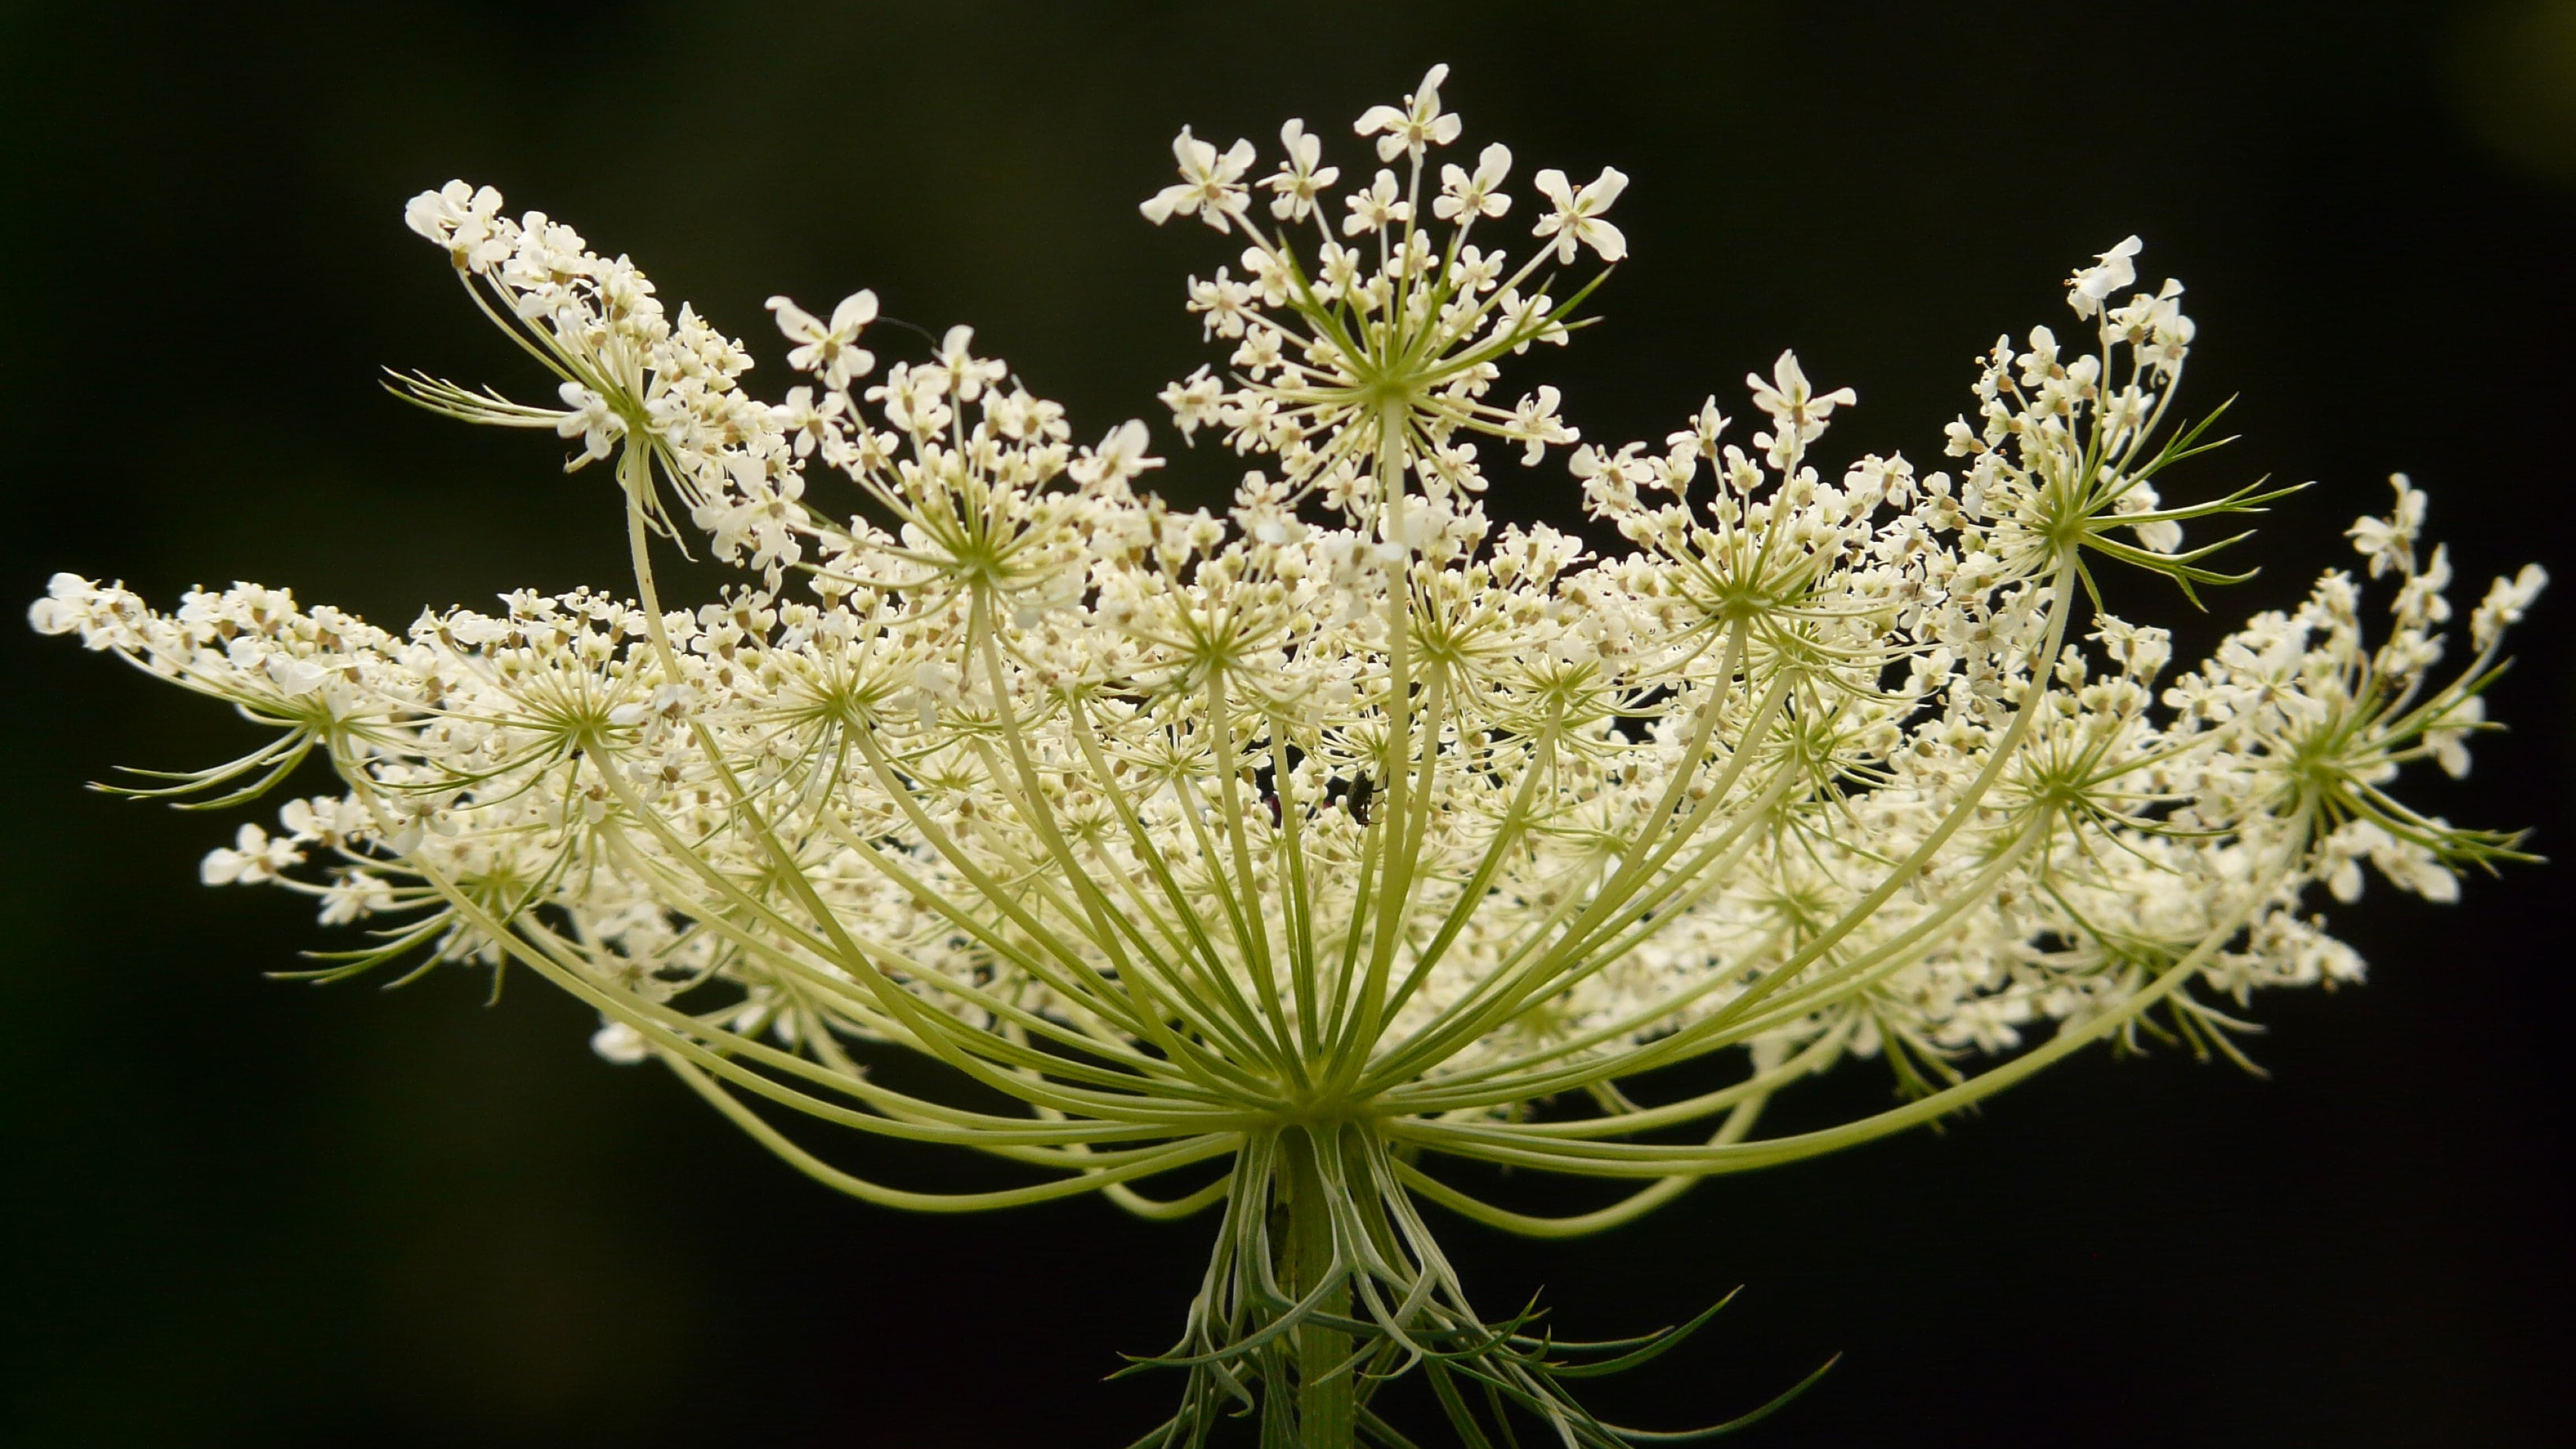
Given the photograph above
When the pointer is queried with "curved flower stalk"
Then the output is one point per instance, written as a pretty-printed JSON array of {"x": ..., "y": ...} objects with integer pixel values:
[{"x": 1274, "y": 862}]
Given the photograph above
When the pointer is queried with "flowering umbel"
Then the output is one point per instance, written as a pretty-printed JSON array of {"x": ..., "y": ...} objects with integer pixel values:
[{"x": 1287, "y": 855}]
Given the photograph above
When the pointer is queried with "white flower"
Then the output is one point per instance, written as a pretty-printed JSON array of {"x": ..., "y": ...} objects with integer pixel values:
[
  {"x": 1536, "y": 424},
  {"x": 589, "y": 418},
  {"x": 354, "y": 897},
  {"x": 1610, "y": 480},
  {"x": 462, "y": 219},
  {"x": 2448, "y": 738},
  {"x": 1700, "y": 438},
  {"x": 1418, "y": 123},
  {"x": 2506, "y": 602},
  {"x": 1577, "y": 214},
  {"x": 2389, "y": 543},
  {"x": 253, "y": 858},
  {"x": 1299, "y": 180},
  {"x": 615, "y": 1041},
  {"x": 808, "y": 422},
  {"x": 1120, "y": 458},
  {"x": 1211, "y": 186},
  {"x": 1462, "y": 195},
  {"x": 1382, "y": 205},
  {"x": 1525, "y": 320},
  {"x": 2090, "y": 287},
  {"x": 294, "y": 677},
  {"x": 1225, "y": 303},
  {"x": 1194, "y": 403},
  {"x": 1797, "y": 411},
  {"x": 829, "y": 350},
  {"x": 959, "y": 371}
]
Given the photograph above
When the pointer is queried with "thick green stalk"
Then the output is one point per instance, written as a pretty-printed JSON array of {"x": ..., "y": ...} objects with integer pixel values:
[{"x": 1327, "y": 1408}]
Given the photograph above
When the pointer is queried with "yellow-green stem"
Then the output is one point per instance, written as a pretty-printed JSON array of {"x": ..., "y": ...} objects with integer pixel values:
[{"x": 1327, "y": 1408}]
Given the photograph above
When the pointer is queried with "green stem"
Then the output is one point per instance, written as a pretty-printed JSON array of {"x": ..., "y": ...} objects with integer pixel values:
[{"x": 1327, "y": 1409}]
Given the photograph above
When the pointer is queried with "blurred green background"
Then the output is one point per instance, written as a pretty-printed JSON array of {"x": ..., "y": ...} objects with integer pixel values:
[{"x": 243, "y": 1212}]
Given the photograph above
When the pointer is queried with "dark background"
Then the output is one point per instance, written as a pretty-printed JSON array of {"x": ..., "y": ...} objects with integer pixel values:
[{"x": 244, "y": 1212}]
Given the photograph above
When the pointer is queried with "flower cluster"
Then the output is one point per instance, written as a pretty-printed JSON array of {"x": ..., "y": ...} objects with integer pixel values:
[
  {"x": 1384, "y": 342},
  {"x": 1349, "y": 830}
]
